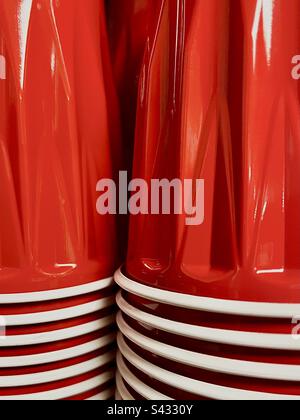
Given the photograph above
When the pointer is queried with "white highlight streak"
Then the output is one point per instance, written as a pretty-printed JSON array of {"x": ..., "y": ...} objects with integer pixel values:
[
  {"x": 2, "y": 67},
  {"x": 53, "y": 61},
  {"x": 24, "y": 18},
  {"x": 264, "y": 10}
]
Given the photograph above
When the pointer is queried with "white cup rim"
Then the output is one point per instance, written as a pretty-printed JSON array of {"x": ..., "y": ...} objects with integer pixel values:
[
  {"x": 58, "y": 314},
  {"x": 205, "y": 304},
  {"x": 203, "y": 389},
  {"x": 136, "y": 384},
  {"x": 213, "y": 335},
  {"x": 56, "y": 335},
  {"x": 57, "y": 356},
  {"x": 65, "y": 392},
  {"x": 248, "y": 369},
  {"x": 57, "y": 374},
  {"x": 102, "y": 396},
  {"x": 122, "y": 390},
  {"x": 56, "y": 294}
]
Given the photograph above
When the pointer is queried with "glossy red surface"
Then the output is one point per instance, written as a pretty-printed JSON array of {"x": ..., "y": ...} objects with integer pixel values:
[
  {"x": 130, "y": 23},
  {"x": 59, "y": 134},
  {"x": 217, "y": 101}
]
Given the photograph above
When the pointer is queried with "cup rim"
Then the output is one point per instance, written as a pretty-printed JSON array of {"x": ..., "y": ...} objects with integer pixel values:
[
  {"x": 59, "y": 314},
  {"x": 248, "y": 369},
  {"x": 57, "y": 335},
  {"x": 136, "y": 384},
  {"x": 65, "y": 392},
  {"x": 206, "y": 304},
  {"x": 102, "y": 396},
  {"x": 203, "y": 389},
  {"x": 56, "y": 294},
  {"x": 57, "y": 374},
  {"x": 214, "y": 335},
  {"x": 57, "y": 356},
  {"x": 121, "y": 388}
]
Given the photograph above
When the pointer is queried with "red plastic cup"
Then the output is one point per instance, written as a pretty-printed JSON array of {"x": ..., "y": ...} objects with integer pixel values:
[
  {"x": 190, "y": 125},
  {"x": 59, "y": 136},
  {"x": 183, "y": 120},
  {"x": 269, "y": 228}
]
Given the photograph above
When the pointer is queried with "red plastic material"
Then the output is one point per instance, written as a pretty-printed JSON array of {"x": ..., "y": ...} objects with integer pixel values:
[
  {"x": 59, "y": 134},
  {"x": 217, "y": 101},
  {"x": 130, "y": 23}
]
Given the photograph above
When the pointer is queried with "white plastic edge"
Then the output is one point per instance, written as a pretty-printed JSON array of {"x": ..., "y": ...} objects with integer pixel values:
[
  {"x": 58, "y": 315},
  {"x": 56, "y": 356},
  {"x": 56, "y": 335},
  {"x": 122, "y": 390},
  {"x": 193, "y": 386},
  {"x": 56, "y": 293},
  {"x": 229, "y": 307},
  {"x": 227, "y": 366},
  {"x": 141, "y": 388},
  {"x": 103, "y": 396},
  {"x": 63, "y": 393},
  {"x": 57, "y": 374},
  {"x": 238, "y": 338},
  {"x": 118, "y": 396}
]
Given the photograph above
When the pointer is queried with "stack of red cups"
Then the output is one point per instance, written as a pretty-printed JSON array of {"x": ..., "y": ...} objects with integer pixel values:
[
  {"x": 209, "y": 305},
  {"x": 58, "y": 137}
]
